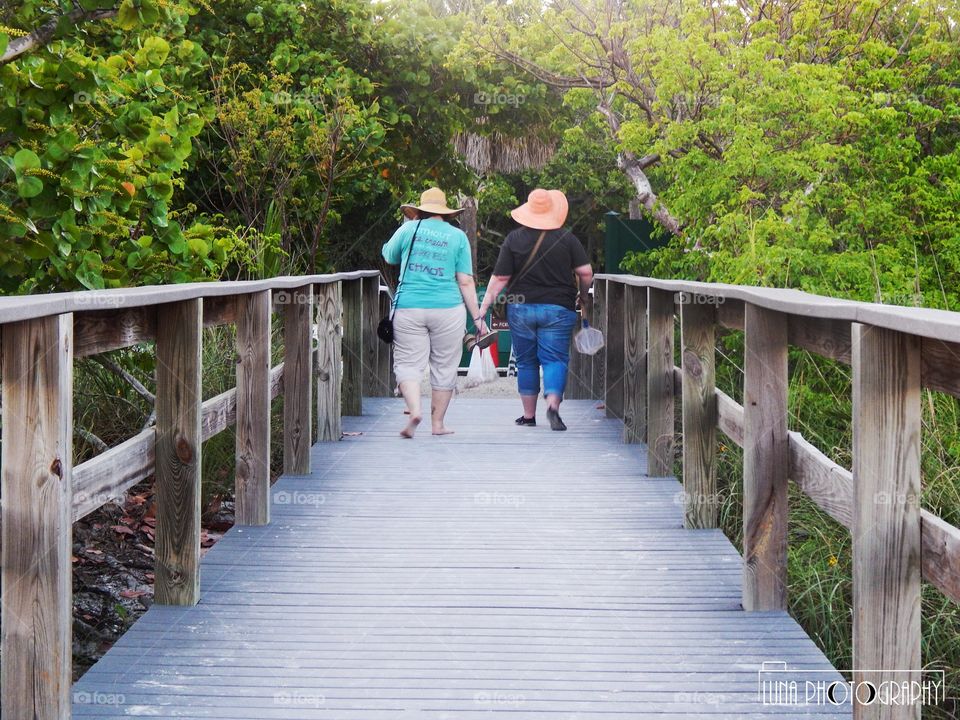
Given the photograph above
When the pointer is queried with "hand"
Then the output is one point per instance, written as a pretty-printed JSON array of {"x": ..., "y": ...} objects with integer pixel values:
[
  {"x": 481, "y": 325},
  {"x": 586, "y": 306}
]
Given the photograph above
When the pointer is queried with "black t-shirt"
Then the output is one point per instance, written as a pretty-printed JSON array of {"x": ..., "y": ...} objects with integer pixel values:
[{"x": 549, "y": 279}]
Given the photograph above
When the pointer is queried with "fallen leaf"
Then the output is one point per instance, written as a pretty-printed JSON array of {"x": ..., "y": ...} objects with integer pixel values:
[
  {"x": 133, "y": 593},
  {"x": 122, "y": 529}
]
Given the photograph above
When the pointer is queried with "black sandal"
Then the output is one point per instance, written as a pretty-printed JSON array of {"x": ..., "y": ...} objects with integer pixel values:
[
  {"x": 526, "y": 421},
  {"x": 555, "y": 422}
]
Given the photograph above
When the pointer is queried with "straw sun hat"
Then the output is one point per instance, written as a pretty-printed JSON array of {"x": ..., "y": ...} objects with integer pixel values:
[
  {"x": 543, "y": 210},
  {"x": 433, "y": 201}
]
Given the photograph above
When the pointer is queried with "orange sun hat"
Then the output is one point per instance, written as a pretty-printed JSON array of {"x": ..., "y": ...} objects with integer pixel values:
[{"x": 543, "y": 210}]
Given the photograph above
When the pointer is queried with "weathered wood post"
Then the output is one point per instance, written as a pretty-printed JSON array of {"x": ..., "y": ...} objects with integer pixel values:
[
  {"x": 886, "y": 512},
  {"x": 598, "y": 381},
  {"x": 37, "y": 491},
  {"x": 253, "y": 409},
  {"x": 699, "y": 410},
  {"x": 660, "y": 409},
  {"x": 385, "y": 356},
  {"x": 370, "y": 287},
  {"x": 329, "y": 366},
  {"x": 614, "y": 358},
  {"x": 178, "y": 447},
  {"x": 297, "y": 307},
  {"x": 579, "y": 372},
  {"x": 635, "y": 364},
  {"x": 352, "y": 389},
  {"x": 765, "y": 460}
]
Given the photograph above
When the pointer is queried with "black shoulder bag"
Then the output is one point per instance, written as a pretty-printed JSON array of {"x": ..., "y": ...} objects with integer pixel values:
[{"x": 385, "y": 328}]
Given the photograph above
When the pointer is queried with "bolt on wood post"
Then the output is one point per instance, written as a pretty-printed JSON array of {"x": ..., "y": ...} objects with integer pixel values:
[
  {"x": 385, "y": 381},
  {"x": 329, "y": 315},
  {"x": 660, "y": 403},
  {"x": 253, "y": 409},
  {"x": 352, "y": 399},
  {"x": 37, "y": 607},
  {"x": 765, "y": 460},
  {"x": 178, "y": 447},
  {"x": 370, "y": 288},
  {"x": 297, "y": 305},
  {"x": 886, "y": 513},
  {"x": 699, "y": 410},
  {"x": 613, "y": 322},
  {"x": 634, "y": 364},
  {"x": 598, "y": 381}
]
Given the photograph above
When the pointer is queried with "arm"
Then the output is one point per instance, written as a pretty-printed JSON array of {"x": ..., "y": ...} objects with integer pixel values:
[
  {"x": 584, "y": 275},
  {"x": 468, "y": 289},
  {"x": 393, "y": 248},
  {"x": 496, "y": 286}
]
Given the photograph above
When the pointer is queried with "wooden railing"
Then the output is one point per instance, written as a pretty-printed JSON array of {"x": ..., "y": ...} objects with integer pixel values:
[
  {"x": 894, "y": 352},
  {"x": 329, "y": 338}
]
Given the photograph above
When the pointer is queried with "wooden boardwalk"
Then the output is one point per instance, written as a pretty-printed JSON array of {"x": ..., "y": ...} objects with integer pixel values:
[{"x": 503, "y": 571}]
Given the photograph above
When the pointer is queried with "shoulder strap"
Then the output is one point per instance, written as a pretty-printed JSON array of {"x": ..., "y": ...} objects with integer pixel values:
[
  {"x": 403, "y": 271},
  {"x": 533, "y": 253}
]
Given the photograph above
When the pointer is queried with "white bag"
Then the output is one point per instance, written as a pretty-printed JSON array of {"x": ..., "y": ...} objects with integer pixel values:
[
  {"x": 588, "y": 341},
  {"x": 489, "y": 365},
  {"x": 478, "y": 373}
]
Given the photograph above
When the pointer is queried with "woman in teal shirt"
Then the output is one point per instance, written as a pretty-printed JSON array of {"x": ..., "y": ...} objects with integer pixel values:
[{"x": 436, "y": 281}]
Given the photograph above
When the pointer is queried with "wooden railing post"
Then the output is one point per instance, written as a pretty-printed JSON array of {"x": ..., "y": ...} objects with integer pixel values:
[
  {"x": 297, "y": 307},
  {"x": 352, "y": 400},
  {"x": 614, "y": 358},
  {"x": 329, "y": 351},
  {"x": 635, "y": 364},
  {"x": 699, "y": 410},
  {"x": 370, "y": 288},
  {"x": 385, "y": 355},
  {"x": 178, "y": 446},
  {"x": 579, "y": 372},
  {"x": 598, "y": 380},
  {"x": 37, "y": 492},
  {"x": 765, "y": 460},
  {"x": 660, "y": 409},
  {"x": 886, "y": 512},
  {"x": 253, "y": 409}
]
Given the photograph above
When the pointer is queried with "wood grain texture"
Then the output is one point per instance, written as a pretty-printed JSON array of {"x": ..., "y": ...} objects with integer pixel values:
[
  {"x": 660, "y": 403},
  {"x": 385, "y": 382},
  {"x": 329, "y": 353},
  {"x": 36, "y": 487},
  {"x": 765, "y": 460},
  {"x": 253, "y": 409},
  {"x": 104, "y": 330},
  {"x": 598, "y": 380},
  {"x": 699, "y": 412},
  {"x": 178, "y": 447},
  {"x": 297, "y": 377},
  {"x": 940, "y": 554},
  {"x": 579, "y": 372},
  {"x": 614, "y": 357},
  {"x": 635, "y": 365},
  {"x": 730, "y": 314},
  {"x": 370, "y": 289},
  {"x": 886, "y": 511},
  {"x": 821, "y": 336},
  {"x": 730, "y": 418},
  {"x": 352, "y": 384},
  {"x": 221, "y": 310},
  {"x": 825, "y": 482}
]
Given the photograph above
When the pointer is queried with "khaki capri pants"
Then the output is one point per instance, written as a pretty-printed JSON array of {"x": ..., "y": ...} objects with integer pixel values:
[{"x": 434, "y": 335}]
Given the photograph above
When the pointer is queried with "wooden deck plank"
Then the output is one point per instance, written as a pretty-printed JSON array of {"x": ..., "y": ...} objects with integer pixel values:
[{"x": 536, "y": 575}]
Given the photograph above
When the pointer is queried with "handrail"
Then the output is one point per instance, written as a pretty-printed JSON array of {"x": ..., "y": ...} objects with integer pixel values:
[
  {"x": 43, "y": 493},
  {"x": 893, "y": 351}
]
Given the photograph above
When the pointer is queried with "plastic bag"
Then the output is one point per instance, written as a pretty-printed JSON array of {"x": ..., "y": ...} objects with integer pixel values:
[
  {"x": 482, "y": 368},
  {"x": 588, "y": 341}
]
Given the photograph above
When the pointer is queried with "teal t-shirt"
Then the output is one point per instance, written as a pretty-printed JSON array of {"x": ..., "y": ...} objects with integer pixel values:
[{"x": 440, "y": 252}]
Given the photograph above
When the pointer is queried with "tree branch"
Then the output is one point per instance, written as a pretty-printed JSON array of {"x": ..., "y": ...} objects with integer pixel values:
[{"x": 44, "y": 34}]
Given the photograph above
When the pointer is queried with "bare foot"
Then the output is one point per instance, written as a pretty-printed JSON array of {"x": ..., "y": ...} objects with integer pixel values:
[
  {"x": 411, "y": 427},
  {"x": 442, "y": 431}
]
